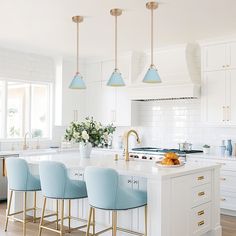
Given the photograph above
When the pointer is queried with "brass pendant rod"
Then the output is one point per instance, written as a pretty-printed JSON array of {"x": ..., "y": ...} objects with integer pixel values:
[
  {"x": 151, "y": 37},
  {"x": 77, "y": 55},
  {"x": 115, "y": 42}
]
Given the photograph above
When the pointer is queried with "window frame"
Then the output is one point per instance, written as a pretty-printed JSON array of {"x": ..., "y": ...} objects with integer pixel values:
[{"x": 5, "y": 104}]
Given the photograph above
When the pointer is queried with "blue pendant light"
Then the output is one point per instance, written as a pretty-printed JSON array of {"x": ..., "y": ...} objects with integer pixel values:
[
  {"x": 152, "y": 75},
  {"x": 77, "y": 82},
  {"x": 116, "y": 79}
]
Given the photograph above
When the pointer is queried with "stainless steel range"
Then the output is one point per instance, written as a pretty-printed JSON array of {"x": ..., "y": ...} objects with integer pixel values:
[{"x": 155, "y": 154}]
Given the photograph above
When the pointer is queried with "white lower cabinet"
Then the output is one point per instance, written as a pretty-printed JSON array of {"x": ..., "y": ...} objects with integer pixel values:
[{"x": 227, "y": 183}]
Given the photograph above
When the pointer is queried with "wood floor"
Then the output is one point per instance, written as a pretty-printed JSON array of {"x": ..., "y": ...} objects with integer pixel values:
[{"x": 15, "y": 229}]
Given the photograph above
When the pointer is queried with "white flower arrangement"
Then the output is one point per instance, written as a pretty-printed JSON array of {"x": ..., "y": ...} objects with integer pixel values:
[{"x": 89, "y": 131}]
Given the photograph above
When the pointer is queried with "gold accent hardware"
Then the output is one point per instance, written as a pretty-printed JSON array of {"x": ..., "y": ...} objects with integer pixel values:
[
  {"x": 4, "y": 169},
  {"x": 200, "y": 177},
  {"x": 126, "y": 140},
  {"x": 201, "y": 194},
  {"x": 114, "y": 228},
  {"x": 152, "y": 5},
  {"x": 77, "y": 19},
  {"x": 223, "y": 178},
  {"x": 25, "y": 146},
  {"x": 223, "y": 199},
  {"x": 116, "y": 157},
  {"x": 116, "y": 12},
  {"x": 201, "y": 213},
  {"x": 201, "y": 223}
]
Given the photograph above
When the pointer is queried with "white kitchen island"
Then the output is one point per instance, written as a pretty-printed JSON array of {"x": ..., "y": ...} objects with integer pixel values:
[{"x": 182, "y": 201}]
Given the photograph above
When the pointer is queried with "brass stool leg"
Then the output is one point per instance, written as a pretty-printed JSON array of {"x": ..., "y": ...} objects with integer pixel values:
[
  {"x": 89, "y": 220},
  {"x": 24, "y": 213},
  {"x": 8, "y": 210},
  {"x": 145, "y": 223},
  {"x": 114, "y": 223},
  {"x": 57, "y": 214},
  {"x": 35, "y": 203},
  {"x": 93, "y": 221},
  {"x": 69, "y": 214},
  {"x": 42, "y": 217},
  {"x": 62, "y": 217}
]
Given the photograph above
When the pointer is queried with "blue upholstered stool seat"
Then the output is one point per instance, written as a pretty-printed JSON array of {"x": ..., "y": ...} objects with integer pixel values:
[
  {"x": 105, "y": 192},
  {"x": 20, "y": 179},
  {"x": 19, "y": 176},
  {"x": 57, "y": 185}
]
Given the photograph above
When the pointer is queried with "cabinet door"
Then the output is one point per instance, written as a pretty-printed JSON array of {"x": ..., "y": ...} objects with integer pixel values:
[
  {"x": 231, "y": 95},
  {"x": 215, "y": 90},
  {"x": 138, "y": 223},
  {"x": 125, "y": 217},
  {"x": 215, "y": 57},
  {"x": 93, "y": 104},
  {"x": 232, "y": 55}
]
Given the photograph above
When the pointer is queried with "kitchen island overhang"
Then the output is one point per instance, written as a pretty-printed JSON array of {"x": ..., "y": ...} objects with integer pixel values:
[{"x": 182, "y": 201}]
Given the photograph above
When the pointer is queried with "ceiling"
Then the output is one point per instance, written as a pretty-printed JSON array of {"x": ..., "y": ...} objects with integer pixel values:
[{"x": 45, "y": 26}]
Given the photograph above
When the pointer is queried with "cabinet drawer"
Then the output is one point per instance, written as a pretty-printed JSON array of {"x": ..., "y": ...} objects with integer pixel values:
[
  {"x": 201, "y": 195},
  {"x": 200, "y": 219},
  {"x": 228, "y": 181},
  {"x": 228, "y": 200},
  {"x": 201, "y": 178}
]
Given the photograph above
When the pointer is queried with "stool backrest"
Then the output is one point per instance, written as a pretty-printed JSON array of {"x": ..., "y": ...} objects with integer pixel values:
[
  {"x": 53, "y": 177},
  {"x": 17, "y": 173},
  {"x": 102, "y": 186}
]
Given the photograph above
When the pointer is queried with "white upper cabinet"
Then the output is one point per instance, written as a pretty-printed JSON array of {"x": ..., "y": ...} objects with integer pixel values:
[
  {"x": 232, "y": 55},
  {"x": 231, "y": 97},
  {"x": 219, "y": 83},
  {"x": 219, "y": 56},
  {"x": 214, "y": 88},
  {"x": 215, "y": 57}
]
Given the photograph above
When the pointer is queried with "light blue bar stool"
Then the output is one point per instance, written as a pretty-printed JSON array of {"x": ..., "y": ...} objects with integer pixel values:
[
  {"x": 21, "y": 180},
  {"x": 57, "y": 185},
  {"x": 104, "y": 192}
]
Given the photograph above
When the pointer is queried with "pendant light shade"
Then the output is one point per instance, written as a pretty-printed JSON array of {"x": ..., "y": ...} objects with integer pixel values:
[
  {"x": 116, "y": 79},
  {"x": 77, "y": 82},
  {"x": 152, "y": 75}
]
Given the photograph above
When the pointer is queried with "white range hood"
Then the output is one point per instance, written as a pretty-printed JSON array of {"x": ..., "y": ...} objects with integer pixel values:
[{"x": 179, "y": 69}]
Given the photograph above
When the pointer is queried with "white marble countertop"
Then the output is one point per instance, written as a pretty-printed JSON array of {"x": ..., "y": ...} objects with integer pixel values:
[
  {"x": 32, "y": 152},
  {"x": 211, "y": 156},
  {"x": 146, "y": 169}
]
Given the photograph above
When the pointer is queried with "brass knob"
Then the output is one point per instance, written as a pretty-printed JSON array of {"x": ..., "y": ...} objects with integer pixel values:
[
  {"x": 201, "y": 213},
  {"x": 201, "y": 194}
]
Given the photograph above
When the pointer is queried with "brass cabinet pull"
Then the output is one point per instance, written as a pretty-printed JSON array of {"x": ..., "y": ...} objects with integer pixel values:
[
  {"x": 201, "y": 194},
  {"x": 223, "y": 199},
  {"x": 223, "y": 178},
  {"x": 201, "y": 213},
  {"x": 201, "y": 223},
  {"x": 200, "y": 177}
]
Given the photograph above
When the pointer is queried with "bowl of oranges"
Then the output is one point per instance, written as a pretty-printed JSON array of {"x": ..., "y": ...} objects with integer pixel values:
[{"x": 170, "y": 160}]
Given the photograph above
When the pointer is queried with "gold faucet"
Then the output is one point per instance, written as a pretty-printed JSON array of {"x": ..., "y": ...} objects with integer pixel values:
[
  {"x": 25, "y": 146},
  {"x": 126, "y": 140}
]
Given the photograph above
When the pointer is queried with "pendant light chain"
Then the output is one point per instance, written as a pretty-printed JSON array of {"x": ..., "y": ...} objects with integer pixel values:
[
  {"x": 77, "y": 55},
  {"x": 116, "y": 43}
]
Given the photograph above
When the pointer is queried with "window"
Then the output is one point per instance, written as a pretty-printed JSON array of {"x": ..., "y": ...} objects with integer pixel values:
[{"x": 27, "y": 109}]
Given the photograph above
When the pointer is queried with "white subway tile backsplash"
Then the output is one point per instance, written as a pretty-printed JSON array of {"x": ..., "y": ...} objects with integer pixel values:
[{"x": 166, "y": 123}]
